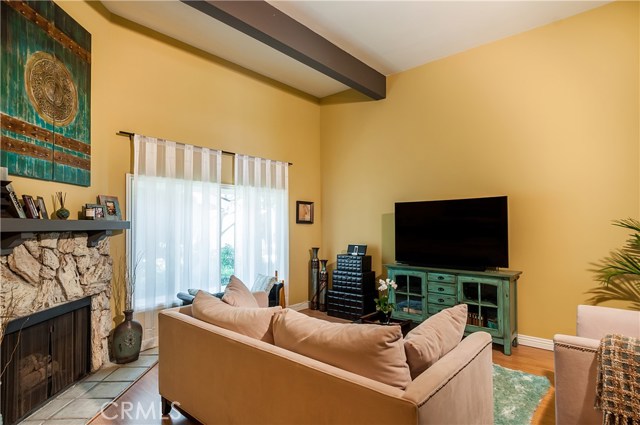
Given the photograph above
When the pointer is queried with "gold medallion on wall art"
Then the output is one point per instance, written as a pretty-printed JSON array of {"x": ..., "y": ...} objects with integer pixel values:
[{"x": 50, "y": 89}]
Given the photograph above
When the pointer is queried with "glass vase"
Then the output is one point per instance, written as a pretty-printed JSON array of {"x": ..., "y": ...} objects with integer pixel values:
[{"x": 63, "y": 213}]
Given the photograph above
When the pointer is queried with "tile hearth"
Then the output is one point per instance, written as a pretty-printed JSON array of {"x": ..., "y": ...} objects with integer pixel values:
[{"x": 82, "y": 401}]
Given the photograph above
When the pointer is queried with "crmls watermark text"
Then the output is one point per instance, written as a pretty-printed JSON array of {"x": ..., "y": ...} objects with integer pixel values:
[{"x": 136, "y": 411}]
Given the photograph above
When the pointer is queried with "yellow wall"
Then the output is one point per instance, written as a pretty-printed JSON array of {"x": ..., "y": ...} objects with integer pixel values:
[
  {"x": 549, "y": 117},
  {"x": 149, "y": 84}
]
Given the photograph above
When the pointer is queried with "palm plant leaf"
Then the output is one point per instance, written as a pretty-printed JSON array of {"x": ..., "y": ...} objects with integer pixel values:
[
  {"x": 618, "y": 264},
  {"x": 619, "y": 273},
  {"x": 629, "y": 223}
]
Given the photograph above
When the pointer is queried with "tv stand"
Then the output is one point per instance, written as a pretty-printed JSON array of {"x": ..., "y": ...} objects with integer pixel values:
[{"x": 491, "y": 297}]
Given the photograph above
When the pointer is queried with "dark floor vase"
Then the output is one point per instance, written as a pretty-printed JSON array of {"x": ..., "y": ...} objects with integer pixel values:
[
  {"x": 314, "y": 279},
  {"x": 127, "y": 338},
  {"x": 323, "y": 286}
]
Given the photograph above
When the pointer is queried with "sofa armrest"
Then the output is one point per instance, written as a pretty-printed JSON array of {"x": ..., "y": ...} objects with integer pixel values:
[
  {"x": 575, "y": 379},
  {"x": 595, "y": 322},
  {"x": 465, "y": 374},
  {"x": 185, "y": 297}
]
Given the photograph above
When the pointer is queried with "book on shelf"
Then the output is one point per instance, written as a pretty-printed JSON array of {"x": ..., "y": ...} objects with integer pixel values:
[
  {"x": 30, "y": 207},
  {"x": 14, "y": 207}
]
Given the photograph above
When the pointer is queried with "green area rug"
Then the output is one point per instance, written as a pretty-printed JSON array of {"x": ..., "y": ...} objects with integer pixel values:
[{"x": 516, "y": 395}]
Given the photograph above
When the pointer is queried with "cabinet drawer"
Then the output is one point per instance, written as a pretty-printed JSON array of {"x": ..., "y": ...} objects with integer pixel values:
[
  {"x": 446, "y": 300},
  {"x": 441, "y": 277},
  {"x": 489, "y": 280},
  {"x": 441, "y": 288},
  {"x": 436, "y": 308}
]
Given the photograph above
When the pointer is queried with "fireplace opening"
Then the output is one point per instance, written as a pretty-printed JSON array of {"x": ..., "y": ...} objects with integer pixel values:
[{"x": 43, "y": 354}]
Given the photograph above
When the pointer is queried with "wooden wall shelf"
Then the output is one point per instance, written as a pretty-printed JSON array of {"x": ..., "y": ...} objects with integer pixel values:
[{"x": 16, "y": 230}]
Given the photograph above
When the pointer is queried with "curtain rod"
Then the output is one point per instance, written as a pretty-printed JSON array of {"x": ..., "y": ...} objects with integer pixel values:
[{"x": 130, "y": 135}]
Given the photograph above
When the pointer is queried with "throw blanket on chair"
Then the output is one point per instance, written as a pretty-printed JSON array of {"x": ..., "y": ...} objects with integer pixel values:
[{"x": 618, "y": 380}]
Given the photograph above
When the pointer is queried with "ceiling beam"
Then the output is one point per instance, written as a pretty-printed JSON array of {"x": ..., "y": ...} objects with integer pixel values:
[{"x": 260, "y": 20}]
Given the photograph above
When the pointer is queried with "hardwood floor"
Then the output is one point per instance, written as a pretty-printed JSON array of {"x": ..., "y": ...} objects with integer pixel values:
[{"x": 144, "y": 393}]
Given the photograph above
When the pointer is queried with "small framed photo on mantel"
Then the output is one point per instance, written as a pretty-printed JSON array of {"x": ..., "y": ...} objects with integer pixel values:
[
  {"x": 112, "y": 207},
  {"x": 304, "y": 212},
  {"x": 42, "y": 208},
  {"x": 94, "y": 212}
]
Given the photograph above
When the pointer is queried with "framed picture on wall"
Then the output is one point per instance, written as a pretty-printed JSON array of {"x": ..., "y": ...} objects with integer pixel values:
[
  {"x": 112, "y": 207},
  {"x": 304, "y": 212}
]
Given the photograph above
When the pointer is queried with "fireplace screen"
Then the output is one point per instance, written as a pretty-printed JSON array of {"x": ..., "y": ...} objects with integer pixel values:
[{"x": 42, "y": 356}]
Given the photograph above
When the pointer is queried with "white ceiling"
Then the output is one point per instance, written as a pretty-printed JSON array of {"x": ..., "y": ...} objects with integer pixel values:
[{"x": 390, "y": 36}]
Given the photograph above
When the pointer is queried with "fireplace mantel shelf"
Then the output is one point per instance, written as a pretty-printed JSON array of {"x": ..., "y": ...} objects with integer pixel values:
[{"x": 16, "y": 230}]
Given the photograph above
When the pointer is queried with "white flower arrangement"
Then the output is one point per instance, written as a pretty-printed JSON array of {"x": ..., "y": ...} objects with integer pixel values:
[
  {"x": 385, "y": 284},
  {"x": 382, "y": 302}
]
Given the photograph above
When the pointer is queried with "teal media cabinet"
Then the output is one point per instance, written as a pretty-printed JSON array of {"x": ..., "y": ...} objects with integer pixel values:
[{"x": 491, "y": 297}]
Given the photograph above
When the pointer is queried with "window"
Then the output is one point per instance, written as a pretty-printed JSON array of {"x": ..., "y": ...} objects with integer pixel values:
[
  {"x": 188, "y": 230},
  {"x": 227, "y": 233}
]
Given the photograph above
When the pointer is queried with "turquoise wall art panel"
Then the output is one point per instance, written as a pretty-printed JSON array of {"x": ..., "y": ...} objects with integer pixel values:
[{"x": 45, "y": 93}]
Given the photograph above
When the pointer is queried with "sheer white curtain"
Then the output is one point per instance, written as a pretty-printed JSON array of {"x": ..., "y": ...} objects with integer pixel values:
[
  {"x": 175, "y": 243},
  {"x": 262, "y": 218}
]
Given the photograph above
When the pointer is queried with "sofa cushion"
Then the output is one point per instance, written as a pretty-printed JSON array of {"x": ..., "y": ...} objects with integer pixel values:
[
  {"x": 252, "y": 322},
  {"x": 435, "y": 337},
  {"x": 372, "y": 351},
  {"x": 238, "y": 295}
]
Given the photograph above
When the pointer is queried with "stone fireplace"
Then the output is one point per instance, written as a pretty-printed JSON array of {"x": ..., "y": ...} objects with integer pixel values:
[
  {"x": 41, "y": 355},
  {"x": 57, "y": 268},
  {"x": 56, "y": 283}
]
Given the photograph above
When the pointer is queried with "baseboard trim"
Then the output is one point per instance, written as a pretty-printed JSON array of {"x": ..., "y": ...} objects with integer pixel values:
[
  {"x": 535, "y": 342},
  {"x": 299, "y": 306}
]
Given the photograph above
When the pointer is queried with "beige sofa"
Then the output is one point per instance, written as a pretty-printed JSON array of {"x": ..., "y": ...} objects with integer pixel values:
[
  {"x": 222, "y": 377},
  {"x": 575, "y": 361}
]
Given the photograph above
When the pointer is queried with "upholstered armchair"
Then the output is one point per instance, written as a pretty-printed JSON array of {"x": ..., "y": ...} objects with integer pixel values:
[{"x": 575, "y": 361}]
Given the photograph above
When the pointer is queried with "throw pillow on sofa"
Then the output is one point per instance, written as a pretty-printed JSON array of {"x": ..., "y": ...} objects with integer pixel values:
[
  {"x": 435, "y": 337},
  {"x": 238, "y": 295},
  {"x": 252, "y": 322},
  {"x": 263, "y": 283},
  {"x": 372, "y": 351}
]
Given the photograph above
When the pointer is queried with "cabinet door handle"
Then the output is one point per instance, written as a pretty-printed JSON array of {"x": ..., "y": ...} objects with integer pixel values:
[
  {"x": 440, "y": 277},
  {"x": 440, "y": 289},
  {"x": 440, "y": 300}
]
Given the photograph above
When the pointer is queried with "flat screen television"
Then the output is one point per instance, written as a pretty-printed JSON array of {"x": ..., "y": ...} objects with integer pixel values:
[{"x": 469, "y": 234}]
